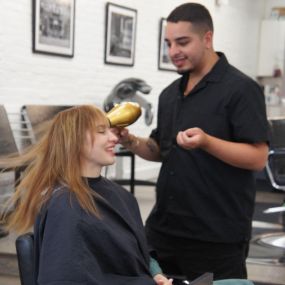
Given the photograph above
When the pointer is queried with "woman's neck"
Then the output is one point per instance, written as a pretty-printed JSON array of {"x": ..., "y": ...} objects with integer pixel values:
[{"x": 91, "y": 172}]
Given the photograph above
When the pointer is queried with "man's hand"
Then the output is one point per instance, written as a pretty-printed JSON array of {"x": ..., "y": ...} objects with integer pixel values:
[
  {"x": 251, "y": 156},
  {"x": 121, "y": 133},
  {"x": 125, "y": 138},
  {"x": 162, "y": 280},
  {"x": 192, "y": 138}
]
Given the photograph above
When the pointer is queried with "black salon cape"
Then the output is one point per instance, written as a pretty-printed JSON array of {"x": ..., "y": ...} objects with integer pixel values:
[{"x": 73, "y": 247}]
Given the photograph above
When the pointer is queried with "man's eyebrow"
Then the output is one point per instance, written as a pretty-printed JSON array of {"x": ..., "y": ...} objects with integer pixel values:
[{"x": 178, "y": 39}]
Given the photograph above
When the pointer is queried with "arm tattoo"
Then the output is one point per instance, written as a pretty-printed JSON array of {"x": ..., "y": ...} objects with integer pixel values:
[
  {"x": 151, "y": 146},
  {"x": 131, "y": 142}
]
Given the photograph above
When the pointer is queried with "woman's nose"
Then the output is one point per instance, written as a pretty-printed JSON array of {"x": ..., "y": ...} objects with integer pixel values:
[{"x": 112, "y": 136}]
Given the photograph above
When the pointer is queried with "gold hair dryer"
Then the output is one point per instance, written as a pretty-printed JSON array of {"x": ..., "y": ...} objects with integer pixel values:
[{"x": 124, "y": 114}]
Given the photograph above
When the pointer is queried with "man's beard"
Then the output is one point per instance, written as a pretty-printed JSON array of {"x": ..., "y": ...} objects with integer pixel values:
[{"x": 185, "y": 71}]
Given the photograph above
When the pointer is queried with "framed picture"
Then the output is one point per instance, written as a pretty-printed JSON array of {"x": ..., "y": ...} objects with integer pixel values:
[
  {"x": 164, "y": 62},
  {"x": 120, "y": 35},
  {"x": 53, "y": 27}
]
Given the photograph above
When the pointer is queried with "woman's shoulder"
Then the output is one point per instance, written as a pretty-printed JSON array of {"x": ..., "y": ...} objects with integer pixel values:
[
  {"x": 59, "y": 193},
  {"x": 61, "y": 201},
  {"x": 61, "y": 210}
]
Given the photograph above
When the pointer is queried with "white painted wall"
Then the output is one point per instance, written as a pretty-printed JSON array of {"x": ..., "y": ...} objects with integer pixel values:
[
  {"x": 28, "y": 78},
  {"x": 272, "y": 4}
]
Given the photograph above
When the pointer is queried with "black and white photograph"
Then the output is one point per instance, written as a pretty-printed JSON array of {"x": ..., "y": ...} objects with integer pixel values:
[
  {"x": 120, "y": 35},
  {"x": 164, "y": 61},
  {"x": 53, "y": 27}
]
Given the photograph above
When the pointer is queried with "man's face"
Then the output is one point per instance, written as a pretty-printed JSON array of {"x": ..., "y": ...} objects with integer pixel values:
[{"x": 187, "y": 48}]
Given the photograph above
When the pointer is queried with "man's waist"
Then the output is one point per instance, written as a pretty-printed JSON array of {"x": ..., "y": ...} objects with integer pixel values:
[{"x": 188, "y": 228}]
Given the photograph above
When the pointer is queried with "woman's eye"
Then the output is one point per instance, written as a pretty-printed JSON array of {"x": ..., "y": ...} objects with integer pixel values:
[{"x": 101, "y": 130}]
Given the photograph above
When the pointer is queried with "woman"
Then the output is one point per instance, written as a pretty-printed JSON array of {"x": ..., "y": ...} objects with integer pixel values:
[{"x": 88, "y": 230}]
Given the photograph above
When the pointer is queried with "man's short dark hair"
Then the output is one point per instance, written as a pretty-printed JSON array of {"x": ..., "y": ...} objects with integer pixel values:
[{"x": 197, "y": 14}]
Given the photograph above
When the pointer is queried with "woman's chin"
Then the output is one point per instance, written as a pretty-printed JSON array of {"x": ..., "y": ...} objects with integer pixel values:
[{"x": 110, "y": 161}]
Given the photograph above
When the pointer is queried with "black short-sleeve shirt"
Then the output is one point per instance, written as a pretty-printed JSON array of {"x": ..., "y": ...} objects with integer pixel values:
[{"x": 199, "y": 196}]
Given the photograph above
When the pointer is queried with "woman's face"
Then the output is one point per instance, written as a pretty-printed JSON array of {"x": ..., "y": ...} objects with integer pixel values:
[{"x": 98, "y": 152}]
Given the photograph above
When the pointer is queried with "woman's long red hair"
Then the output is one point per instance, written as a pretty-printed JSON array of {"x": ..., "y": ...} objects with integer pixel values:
[{"x": 54, "y": 160}]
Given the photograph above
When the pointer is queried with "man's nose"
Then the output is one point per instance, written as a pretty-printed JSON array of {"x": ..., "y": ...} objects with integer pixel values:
[{"x": 172, "y": 49}]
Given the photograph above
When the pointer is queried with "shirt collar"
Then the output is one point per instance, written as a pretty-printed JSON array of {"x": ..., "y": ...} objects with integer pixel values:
[
  {"x": 218, "y": 69},
  {"x": 215, "y": 74}
]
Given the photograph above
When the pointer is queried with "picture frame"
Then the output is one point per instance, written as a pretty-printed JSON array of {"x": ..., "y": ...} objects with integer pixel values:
[
  {"x": 53, "y": 27},
  {"x": 120, "y": 35},
  {"x": 164, "y": 61}
]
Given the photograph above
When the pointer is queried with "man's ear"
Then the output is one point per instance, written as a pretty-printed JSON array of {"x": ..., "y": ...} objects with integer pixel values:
[{"x": 208, "y": 38}]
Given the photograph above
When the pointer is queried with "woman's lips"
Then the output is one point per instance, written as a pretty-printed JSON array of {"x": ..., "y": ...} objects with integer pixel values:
[{"x": 111, "y": 150}]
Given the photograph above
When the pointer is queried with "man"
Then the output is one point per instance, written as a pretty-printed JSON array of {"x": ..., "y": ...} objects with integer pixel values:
[{"x": 211, "y": 135}]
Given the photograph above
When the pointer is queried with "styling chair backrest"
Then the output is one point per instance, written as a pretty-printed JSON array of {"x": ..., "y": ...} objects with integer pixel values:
[
  {"x": 25, "y": 255},
  {"x": 7, "y": 140},
  {"x": 33, "y": 117},
  {"x": 8, "y": 146},
  {"x": 275, "y": 167}
]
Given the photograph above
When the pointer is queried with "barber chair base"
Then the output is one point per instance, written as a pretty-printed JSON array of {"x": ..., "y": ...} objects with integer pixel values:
[
  {"x": 207, "y": 278},
  {"x": 217, "y": 282},
  {"x": 268, "y": 249},
  {"x": 233, "y": 282},
  {"x": 273, "y": 239}
]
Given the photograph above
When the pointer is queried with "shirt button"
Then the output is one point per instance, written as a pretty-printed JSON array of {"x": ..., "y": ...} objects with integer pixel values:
[
  {"x": 171, "y": 173},
  {"x": 170, "y": 197}
]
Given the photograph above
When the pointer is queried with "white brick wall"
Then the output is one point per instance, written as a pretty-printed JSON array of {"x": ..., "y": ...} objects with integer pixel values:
[{"x": 28, "y": 78}]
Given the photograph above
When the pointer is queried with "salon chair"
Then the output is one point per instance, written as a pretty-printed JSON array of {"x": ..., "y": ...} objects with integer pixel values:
[
  {"x": 275, "y": 167},
  {"x": 34, "y": 115},
  {"x": 7, "y": 140},
  {"x": 7, "y": 146},
  {"x": 25, "y": 255},
  {"x": 26, "y": 259}
]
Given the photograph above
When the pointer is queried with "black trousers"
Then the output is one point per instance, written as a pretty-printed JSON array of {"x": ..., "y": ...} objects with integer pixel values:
[{"x": 191, "y": 258}]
